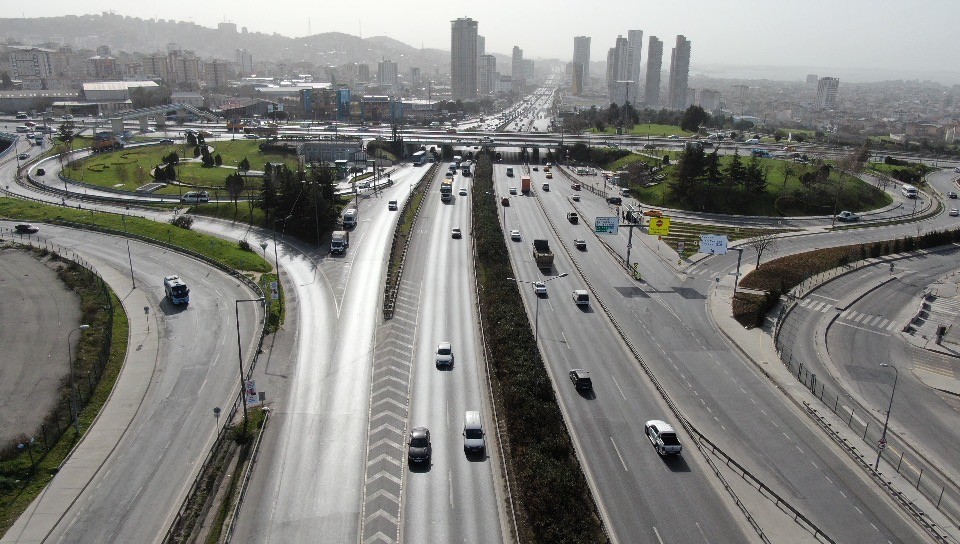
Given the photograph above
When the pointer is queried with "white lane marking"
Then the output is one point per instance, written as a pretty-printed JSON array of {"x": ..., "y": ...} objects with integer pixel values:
[
  {"x": 764, "y": 413},
  {"x": 858, "y": 509},
  {"x": 616, "y": 449},
  {"x": 708, "y": 408},
  {"x": 862, "y": 328},
  {"x": 831, "y": 481},
  {"x": 564, "y": 339},
  {"x": 618, "y": 388},
  {"x": 815, "y": 466},
  {"x": 656, "y": 532},
  {"x": 874, "y": 526},
  {"x": 798, "y": 449},
  {"x": 785, "y": 436}
]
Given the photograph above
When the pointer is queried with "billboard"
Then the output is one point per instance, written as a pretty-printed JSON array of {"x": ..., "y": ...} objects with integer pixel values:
[
  {"x": 714, "y": 244},
  {"x": 606, "y": 225},
  {"x": 659, "y": 226}
]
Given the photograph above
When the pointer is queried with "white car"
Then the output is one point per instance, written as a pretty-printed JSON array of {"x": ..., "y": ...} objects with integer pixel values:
[
  {"x": 847, "y": 216},
  {"x": 445, "y": 354},
  {"x": 539, "y": 288},
  {"x": 513, "y": 190},
  {"x": 456, "y": 233},
  {"x": 663, "y": 437},
  {"x": 515, "y": 234},
  {"x": 954, "y": 212},
  {"x": 463, "y": 191}
]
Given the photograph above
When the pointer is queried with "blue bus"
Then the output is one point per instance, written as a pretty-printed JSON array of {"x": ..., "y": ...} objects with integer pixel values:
[{"x": 419, "y": 158}]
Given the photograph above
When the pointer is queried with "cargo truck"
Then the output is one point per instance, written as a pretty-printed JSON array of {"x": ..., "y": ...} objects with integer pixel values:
[
  {"x": 340, "y": 240},
  {"x": 350, "y": 218},
  {"x": 524, "y": 184},
  {"x": 446, "y": 190},
  {"x": 542, "y": 254}
]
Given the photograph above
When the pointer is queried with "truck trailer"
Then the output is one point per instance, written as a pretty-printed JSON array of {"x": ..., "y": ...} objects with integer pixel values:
[
  {"x": 542, "y": 254},
  {"x": 339, "y": 242}
]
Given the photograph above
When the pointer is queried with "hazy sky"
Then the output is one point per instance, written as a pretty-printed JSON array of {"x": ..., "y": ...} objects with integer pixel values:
[{"x": 903, "y": 35}]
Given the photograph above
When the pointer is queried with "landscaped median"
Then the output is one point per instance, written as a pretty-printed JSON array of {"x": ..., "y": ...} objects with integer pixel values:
[
  {"x": 225, "y": 252},
  {"x": 778, "y": 276},
  {"x": 550, "y": 495}
]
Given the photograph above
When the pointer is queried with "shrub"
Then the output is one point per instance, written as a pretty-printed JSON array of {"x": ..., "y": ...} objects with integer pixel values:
[
  {"x": 244, "y": 245},
  {"x": 183, "y": 221}
]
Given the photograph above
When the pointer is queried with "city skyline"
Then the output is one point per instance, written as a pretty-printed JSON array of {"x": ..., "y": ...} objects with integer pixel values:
[{"x": 851, "y": 36}]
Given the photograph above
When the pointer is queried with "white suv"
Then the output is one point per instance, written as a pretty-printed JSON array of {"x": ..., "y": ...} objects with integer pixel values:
[{"x": 663, "y": 437}]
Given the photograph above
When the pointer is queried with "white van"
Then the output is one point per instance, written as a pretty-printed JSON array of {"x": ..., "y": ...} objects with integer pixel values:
[
  {"x": 473, "y": 437},
  {"x": 581, "y": 297},
  {"x": 350, "y": 218},
  {"x": 908, "y": 190}
]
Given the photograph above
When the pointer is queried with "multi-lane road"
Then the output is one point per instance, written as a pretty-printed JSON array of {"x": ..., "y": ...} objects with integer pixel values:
[{"x": 347, "y": 388}]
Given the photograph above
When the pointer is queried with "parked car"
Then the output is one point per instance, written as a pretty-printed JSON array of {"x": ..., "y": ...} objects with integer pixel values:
[
  {"x": 25, "y": 228},
  {"x": 581, "y": 379},
  {"x": 663, "y": 437},
  {"x": 418, "y": 446},
  {"x": 847, "y": 216}
]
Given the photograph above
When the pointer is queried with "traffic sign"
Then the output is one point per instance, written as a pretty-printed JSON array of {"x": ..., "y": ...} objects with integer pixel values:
[
  {"x": 714, "y": 244},
  {"x": 606, "y": 225},
  {"x": 659, "y": 226}
]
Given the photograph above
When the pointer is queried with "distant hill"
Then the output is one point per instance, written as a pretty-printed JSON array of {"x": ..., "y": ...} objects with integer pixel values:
[{"x": 132, "y": 34}]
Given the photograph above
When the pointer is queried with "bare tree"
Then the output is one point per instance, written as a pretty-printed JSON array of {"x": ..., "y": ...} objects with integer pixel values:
[{"x": 764, "y": 243}]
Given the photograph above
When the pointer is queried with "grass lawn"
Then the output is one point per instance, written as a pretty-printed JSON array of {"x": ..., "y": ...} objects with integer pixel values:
[
  {"x": 689, "y": 234},
  {"x": 780, "y": 198},
  {"x": 225, "y": 251},
  {"x": 127, "y": 169},
  {"x": 644, "y": 129}
]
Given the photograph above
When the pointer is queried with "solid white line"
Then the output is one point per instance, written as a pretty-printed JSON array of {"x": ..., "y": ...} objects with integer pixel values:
[
  {"x": 660, "y": 540},
  {"x": 616, "y": 449}
]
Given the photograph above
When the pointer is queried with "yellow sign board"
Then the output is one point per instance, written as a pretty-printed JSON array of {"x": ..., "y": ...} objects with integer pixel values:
[{"x": 659, "y": 226}]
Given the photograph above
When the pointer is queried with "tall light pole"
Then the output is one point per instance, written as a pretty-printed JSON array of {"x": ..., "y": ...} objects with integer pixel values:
[
  {"x": 536, "y": 317},
  {"x": 123, "y": 218},
  {"x": 73, "y": 386},
  {"x": 243, "y": 399},
  {"x": 883, "y": 436}
]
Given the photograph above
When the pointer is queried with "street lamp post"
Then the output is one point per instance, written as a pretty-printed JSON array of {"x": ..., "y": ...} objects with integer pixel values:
[
  {"x": 73, "y": 386},
  {"x": 243, "y": 400},
  {"x": 536, "y": 317},
  {"x": 883, "y": 435},
  {"x": 123, "y": 218}
]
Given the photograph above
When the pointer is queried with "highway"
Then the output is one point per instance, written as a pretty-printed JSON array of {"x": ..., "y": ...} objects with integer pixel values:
[
  {"x": 639, "y": 494},
  {"x": 455, "y": 498},
  {"x": 665, "y": 319},
  {"x": 321, "y": 474}
]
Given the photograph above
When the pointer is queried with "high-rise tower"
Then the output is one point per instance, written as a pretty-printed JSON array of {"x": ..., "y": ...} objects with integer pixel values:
[{"x": 463, "y": 59}]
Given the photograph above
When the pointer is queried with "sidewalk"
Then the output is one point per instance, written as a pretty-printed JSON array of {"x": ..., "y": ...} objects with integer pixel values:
[
  {"x": 98, "y": 443},
  {"x": 757, "y": 345}
]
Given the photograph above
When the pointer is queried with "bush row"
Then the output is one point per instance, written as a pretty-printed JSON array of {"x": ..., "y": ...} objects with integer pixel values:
[
  {"x": 780, "y": 275},
  {"x": 551, "y": 496}
]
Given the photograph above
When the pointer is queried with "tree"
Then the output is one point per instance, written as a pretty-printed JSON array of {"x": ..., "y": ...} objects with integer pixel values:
[
  {"x": 172, "y": 158},
  {"x": 122, "y": 173},
  {"x": 234, "y": 187},
  {"x": 693, "y": 117},
  {"x": 244, "y": 165},
  {"x": 192, "y": 140},
  {"x": 735, "y": 171},
  {"x": 763, "y": 243},
  {"x": 159, "y": 174},
  {"x": 755, "y": 178},
  {"x": 218, "y": 160},
  {"x": 171, "y": 172}
]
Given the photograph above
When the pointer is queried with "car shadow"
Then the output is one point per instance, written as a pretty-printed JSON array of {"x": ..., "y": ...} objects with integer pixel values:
[
  {"x": 588, "y": 394},
  {"x": 169, "y": 308},
  {"x": 444, "y": 368},
  {"x": 586, "y": 308},
  {"x": 420, "y": 468},
  {"x": 676, "y": 463},
  {"x": 476, "y": 456}
]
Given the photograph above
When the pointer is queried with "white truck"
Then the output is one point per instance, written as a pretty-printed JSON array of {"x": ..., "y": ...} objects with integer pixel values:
[
  {"x": 350, "y": 218},
  {"x": 339, "y": 242}
]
